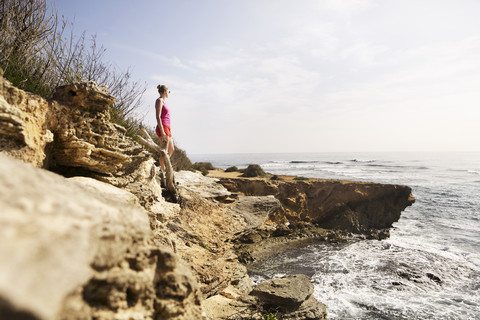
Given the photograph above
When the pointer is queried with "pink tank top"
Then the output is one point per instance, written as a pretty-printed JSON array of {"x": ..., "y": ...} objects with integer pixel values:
[{"x": 165, "y": 115}]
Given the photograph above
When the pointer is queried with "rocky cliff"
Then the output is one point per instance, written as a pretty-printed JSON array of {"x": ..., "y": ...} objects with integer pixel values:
[
  {"x": 331, "y": 204},
  {"x": 86, "y": 234}
]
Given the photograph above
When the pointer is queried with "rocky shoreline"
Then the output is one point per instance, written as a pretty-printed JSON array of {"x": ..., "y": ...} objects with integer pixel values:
[{"x": 86, "y": 233}]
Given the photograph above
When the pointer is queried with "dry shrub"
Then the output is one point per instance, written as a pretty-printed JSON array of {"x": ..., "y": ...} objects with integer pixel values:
[
  {"x": 254, "y": 170},
  {"x": 39, "y": 52},
  {"x": 203, "y": 167}
]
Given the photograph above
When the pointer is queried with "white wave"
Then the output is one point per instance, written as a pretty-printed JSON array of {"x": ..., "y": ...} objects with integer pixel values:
[
  {"x": 374, "y": 279},
  {"x": 363, "y": 160}
]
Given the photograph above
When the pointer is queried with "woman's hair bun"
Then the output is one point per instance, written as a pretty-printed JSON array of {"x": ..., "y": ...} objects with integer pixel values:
[{"x": 162, "y": 88}]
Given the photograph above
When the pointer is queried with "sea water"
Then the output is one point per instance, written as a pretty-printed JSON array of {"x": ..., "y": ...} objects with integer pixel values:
[{"x": 429, "y": 268}]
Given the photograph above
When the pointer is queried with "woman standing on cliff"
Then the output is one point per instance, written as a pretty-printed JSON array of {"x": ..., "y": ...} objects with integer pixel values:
[{"x": 163, "y": 130}]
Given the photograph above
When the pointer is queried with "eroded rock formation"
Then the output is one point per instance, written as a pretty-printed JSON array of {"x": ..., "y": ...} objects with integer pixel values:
[
  {"x": 344, "y": 205},
  {"x": 292, "y": 295},
  {"x": 24, "y": 124},
  {"x": 73, "y": 135},
  {"x": 85, "y": 138},
  {"x": 81, "y": 249}
]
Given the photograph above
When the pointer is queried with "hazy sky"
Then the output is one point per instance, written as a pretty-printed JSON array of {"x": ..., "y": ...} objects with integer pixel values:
[{"x": 300, "y": 76}]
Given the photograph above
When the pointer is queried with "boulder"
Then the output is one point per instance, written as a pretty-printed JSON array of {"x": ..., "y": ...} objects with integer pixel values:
[
  {"x": 204, "y": 186},
  {"x": 224, "y": 307},
  {"x": 288, "y": 298},
  {"x": 74, "y": 133},
  {"x": 85, "y": 139},
  {"x": 86, "y": 95},
  {"x": 288, "y": 292},
  {"x": 291, "y": 296},
  {"x": 311, "y": 309},
  {"x": 81, "y": 248},
  {"x": 25, "y": 121},
  {"x": 256, "y": 210}
]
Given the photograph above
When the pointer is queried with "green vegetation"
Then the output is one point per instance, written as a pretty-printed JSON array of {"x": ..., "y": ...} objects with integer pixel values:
[
  {"x": 231, "y": 169},
  {"x": 39, "y": 52},
  {"x": 204, "y": 245},
  {"x": 180, "y": 160},
  {"x": 270, "y": 316},
  {"x": 198, "y": 240},
  {"x": 203, "y": 167},
  {"x": 300, "y": 178},
  {"x": 206, "y": 165},
  {"x": 254, "y": 170}
]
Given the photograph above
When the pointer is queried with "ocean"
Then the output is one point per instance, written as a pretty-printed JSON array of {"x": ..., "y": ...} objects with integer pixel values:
[{"x": 429, "y": 268}]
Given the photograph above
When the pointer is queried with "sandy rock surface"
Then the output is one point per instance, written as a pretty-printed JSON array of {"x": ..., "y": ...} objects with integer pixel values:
[
  {"x": 84, "y": 247},
  {"x": 204, "y": 186}
]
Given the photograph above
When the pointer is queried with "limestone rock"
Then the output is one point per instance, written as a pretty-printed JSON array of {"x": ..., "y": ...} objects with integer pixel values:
[
  {"x": 86, "y": 95},
  {"x": 204, "y": 228},
  {"x": 11, "y": 121},
  {"x": 289, "y": 297},
  {"x": 95, "y": 186},
  {"x": 311, "y": 309},
  {"x": 204, "y": 186},
  {"x": 84, "y": 136},
  {"x": 80, "y": 249},
  {"x": 75, "y": 133},
  {"x": 343, "y": 205},
  {"x": 221, "y": 307},
  {"x": 256, "y": 210},
  {"x": 288, "y": 292},
  {"x": 24, "y": 124},
  {"x": 75, "y": 137}
]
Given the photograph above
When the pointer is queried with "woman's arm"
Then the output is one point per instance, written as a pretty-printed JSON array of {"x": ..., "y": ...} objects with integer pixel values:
[{"x": 158, "y": 109}]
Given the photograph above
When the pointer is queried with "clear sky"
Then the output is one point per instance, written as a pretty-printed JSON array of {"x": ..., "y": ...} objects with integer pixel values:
[{"x": 300, "y": 76}]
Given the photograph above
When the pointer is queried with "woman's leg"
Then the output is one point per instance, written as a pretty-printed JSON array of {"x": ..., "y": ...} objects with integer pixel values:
[
  {"x": 162, "y": 163},
  {"x": 170, "y": 147}
]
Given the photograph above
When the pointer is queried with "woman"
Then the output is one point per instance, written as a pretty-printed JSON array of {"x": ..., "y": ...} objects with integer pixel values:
[{"x": 163, "y": 122}]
